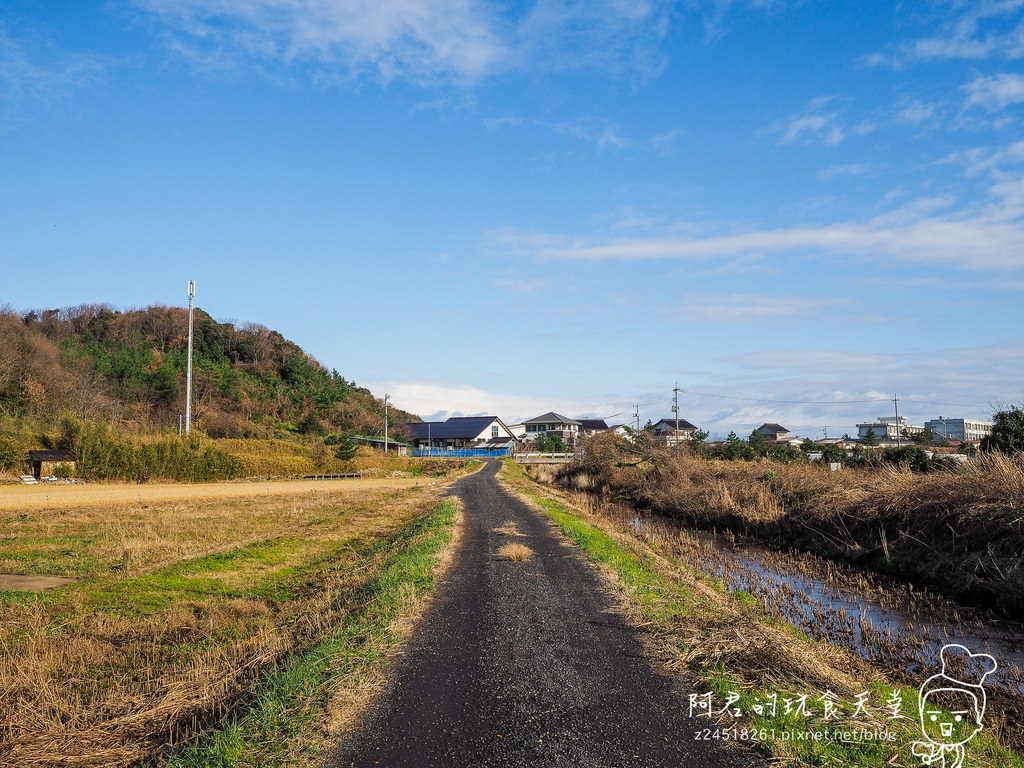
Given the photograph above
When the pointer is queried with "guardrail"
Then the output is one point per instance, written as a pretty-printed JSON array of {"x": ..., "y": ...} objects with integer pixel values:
[{"x": 543, "y": 458}]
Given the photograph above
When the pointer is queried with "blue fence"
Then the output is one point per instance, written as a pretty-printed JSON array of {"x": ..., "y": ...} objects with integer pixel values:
[{"x": 460, "y": 453}]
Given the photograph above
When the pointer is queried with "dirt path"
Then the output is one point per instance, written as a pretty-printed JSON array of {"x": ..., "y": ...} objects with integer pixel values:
[
  {"x": 67, "y": 495},
  {"x": 525, "y": 664}
]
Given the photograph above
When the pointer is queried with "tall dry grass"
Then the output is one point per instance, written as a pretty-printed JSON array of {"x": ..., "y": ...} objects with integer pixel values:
[{"x": 960, "y": 531}]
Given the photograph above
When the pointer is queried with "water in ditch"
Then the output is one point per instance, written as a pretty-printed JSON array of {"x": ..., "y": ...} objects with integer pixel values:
[{"x": 890, "y": 623}]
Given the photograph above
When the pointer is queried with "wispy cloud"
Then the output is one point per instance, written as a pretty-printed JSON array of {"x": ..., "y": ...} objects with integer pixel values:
[
  {"x": 977, "y": 30},
  {"x": 425, "y": 40},
  {"x": 847, "y": 169},
  {"x": 746, "y": 308},
  {"x": 817, "y": 124},
  {"x": 995, "y": 92},
  {"x": 38, "y": 68},
  {"x": 915, "y": 113},
  {"x": 601, "y": 134},
  {"x": 992, "y": 159},
  {"x": 986, "y": 237},
  {"x": 416, "y": 38}
]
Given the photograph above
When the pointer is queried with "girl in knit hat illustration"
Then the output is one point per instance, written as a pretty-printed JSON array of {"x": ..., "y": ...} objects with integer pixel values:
[{"x": 952, "y": 705}]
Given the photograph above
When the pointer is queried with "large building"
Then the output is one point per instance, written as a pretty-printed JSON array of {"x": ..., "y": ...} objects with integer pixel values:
[
  {"x": 889, "y": 428},
  {"x": 964, "y": 430}
]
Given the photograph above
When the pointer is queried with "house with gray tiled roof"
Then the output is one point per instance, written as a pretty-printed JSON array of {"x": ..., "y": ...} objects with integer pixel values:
[
  {"x": 552, "y": 423},
  {"x": 773, "y": 433},
  {"x": 666, "y": 430}
]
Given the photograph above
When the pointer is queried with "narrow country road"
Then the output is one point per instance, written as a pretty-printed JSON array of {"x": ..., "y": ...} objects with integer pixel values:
[{"x": 525, "y": 664}]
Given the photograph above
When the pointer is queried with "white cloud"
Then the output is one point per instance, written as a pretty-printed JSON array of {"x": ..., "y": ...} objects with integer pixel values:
[
  {"x": 986, "y": 237},
  {"x": 989, "y": 159},
  {"x": 418, "y": 38},
  {"x": 979, "y": 30},
  {"x": 915, "y": 113},
  {"x": 35, "y": 67},
  {"x": 813, "y": 126},
  {"x": 425, "y": 40},
  {"x": 996, "y": 92},
  {"x": 817, "y": 125}
]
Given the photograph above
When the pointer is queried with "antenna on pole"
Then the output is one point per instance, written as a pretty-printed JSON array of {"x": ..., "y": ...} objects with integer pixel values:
[
  {"x": 188, "y": 375},
  {"x": 896, "y": 403},
  {"x": 636, "y": 412}
]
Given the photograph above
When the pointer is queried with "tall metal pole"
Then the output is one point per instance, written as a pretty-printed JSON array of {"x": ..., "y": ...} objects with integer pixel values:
[
  {"x": 896, "y": 403},
  {"x": 675, "y": 408},
  {"x": 385, "y": 423},
  {"x": 188, "y": 375}
]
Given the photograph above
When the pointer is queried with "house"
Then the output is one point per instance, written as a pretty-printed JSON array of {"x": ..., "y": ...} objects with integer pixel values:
[
  {"x": 593, "y": 426},
  {"x": 666, "y": 430},
  {"x": 460, "y": 433},
  {"x": 552, "y": 423},
  {"x": 378, "y": 443},
  {"x": 52, "y": 463},
  {"x": 773, "y": 433}
]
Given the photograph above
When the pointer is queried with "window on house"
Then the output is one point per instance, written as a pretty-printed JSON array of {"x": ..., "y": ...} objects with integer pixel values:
[{"x": 494, "y": 431}]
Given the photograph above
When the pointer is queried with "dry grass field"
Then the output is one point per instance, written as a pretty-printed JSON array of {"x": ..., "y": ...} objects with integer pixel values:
[
  {"x": 65, "y": 495},
  {"x": 181, "y": 601}
]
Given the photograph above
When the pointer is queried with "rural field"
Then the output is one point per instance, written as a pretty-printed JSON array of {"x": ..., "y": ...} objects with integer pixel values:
[
  {"x": 199, "y": 599},
  {"x": 59, "y": 496}
]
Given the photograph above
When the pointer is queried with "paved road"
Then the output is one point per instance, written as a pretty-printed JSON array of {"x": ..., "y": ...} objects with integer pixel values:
[{"x": 525, "y": 664}]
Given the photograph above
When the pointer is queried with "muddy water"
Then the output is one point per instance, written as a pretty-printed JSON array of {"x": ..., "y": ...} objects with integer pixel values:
[{"x": 892, "y": 624}]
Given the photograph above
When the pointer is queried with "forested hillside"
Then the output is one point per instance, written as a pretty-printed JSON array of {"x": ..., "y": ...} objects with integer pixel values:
[{"x": 126, "y": 369}]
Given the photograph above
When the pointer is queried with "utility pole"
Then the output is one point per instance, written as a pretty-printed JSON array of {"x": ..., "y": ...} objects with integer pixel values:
[
  {"x": 825, "y": 429},
  {"x": 386, "y": 423},
  {"x": 675, "y": 410},
  {"x": 896, "y": 404},
  {"x": 188, "y": 374},
  {"x": 636, "y": 412}
]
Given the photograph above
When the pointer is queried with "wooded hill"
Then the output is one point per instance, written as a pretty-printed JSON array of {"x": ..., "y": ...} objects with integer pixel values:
[{"x": 127, "y": 369}]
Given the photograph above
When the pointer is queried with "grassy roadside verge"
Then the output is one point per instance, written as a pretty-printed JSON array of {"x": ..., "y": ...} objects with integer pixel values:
[
  {"x": 741, "y": 668},
  {"x": 294, "y": 697}
]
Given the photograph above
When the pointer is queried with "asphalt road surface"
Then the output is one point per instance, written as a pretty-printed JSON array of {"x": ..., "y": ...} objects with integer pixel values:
[{"x": 526, "y": 664}]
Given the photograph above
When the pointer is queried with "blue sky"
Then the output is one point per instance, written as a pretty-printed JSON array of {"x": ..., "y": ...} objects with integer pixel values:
[{"x": 792, "y": 209}]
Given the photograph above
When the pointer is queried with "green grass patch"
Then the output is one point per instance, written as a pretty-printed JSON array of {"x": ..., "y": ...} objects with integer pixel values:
[{"x": 263, "y": 728}]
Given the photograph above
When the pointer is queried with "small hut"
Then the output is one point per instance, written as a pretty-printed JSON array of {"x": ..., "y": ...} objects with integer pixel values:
[{"x": 45, "y": 463}]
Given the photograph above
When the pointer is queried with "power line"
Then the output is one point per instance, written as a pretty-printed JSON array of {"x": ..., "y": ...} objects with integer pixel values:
[
  {"x": 879, "y": 399},
  {"x": 788, "y": 402}
]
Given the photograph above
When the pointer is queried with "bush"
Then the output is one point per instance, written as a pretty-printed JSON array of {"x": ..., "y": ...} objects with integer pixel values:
[{"x": 1007, "y": 432}]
